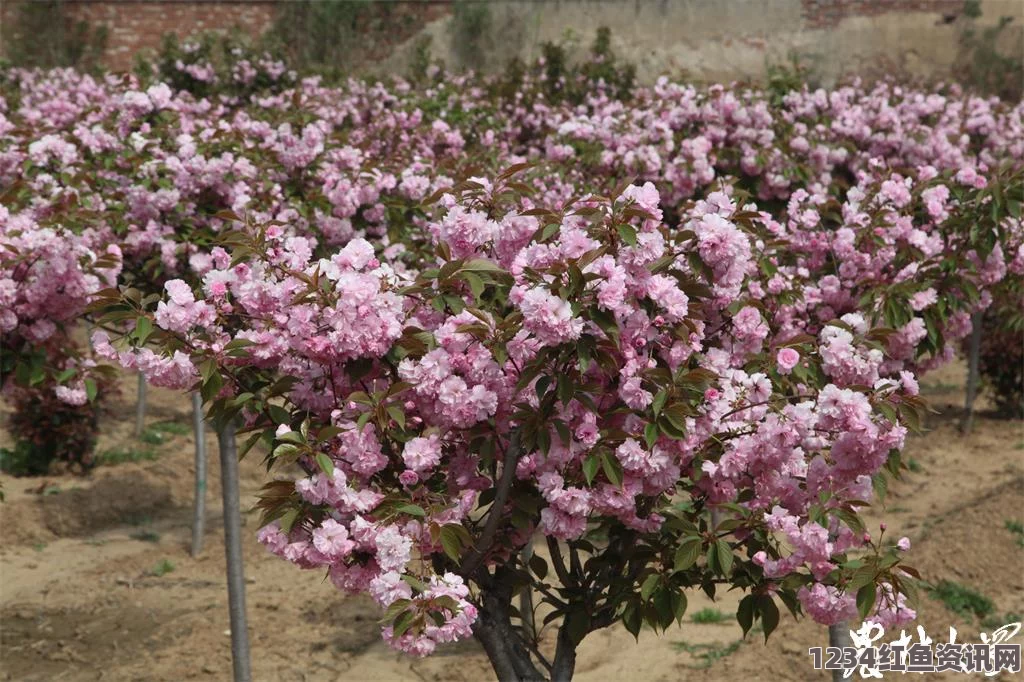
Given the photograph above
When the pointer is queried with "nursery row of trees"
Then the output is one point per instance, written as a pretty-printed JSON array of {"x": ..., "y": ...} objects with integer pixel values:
[{"x": 546, "y": 334}]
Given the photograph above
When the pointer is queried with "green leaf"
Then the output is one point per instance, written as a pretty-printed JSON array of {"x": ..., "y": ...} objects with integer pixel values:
[
  {"x": 476, "y": 285},
  {"x": 590, "y": 467},
  {"x": 403, "y": 623},
  {"x": 394, "y": 609},
  {"x": 292, "y": 437},
  {"x": 398, "y": 414},
  {"x": 325, "y": 463},
  {"x": 745, "y": 613},
  {"x": 451, "y": 541},
  {"x": 676, "y": 416},
  {"x": 411, "y": 510},
  {"x": 90, "y": 390},
  {"x": 861, "y": 577},
  {"x": 627, "y": 233},
  {"x": 724, "y": 557},
  {"x": 539, "y": 566},
  {"x": 288, "y": 520},
  {"x": 612, "y": 468},
  {"x": 866, "y": 600},
  {"x": 651, "y": 434},
  {"x": 278, "y": 414},
  {"x": 769, "y": 614},
  {"x": 659, "y": 401},
  {"x": 211, "y": 387},
  {"x": 249, "y": 443},
  {"x": 632, "y": 620},
  {"x": 566, "y": 389},
  {"x": 65, "y": 375},
  {"x": 143, "y": 328},
  {"x": 679, "y": 605},
  {"x": 852, "y": 521},
  {"x": 285, "y": 450},
  {"x": 663, "y": 604},
  {"x": 687, "y": 553},
  {"x": 648, "y": 586}
]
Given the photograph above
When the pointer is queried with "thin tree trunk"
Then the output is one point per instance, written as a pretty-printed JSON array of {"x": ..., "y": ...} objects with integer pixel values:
[
  {"x": 526, "y": 595},
  {"x": 233, "y": 553},
  {"x": 839, "y": 636},
  {"x": 140, "y": 407},
  {"x": 973, "y": 353},
  {"x": 199, "y": 498},
  {"x": 716, "y": 517}
]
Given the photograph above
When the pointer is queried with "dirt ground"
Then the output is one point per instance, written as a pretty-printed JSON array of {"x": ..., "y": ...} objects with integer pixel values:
[{"x": 96, "y": 582}]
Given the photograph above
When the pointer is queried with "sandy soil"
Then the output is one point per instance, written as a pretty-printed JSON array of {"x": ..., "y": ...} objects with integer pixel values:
[{"x": 83, "y": 596}]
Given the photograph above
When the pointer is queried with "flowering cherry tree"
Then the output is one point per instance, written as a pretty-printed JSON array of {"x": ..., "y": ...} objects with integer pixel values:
[
  {"x": 576, "y": 376},
  {"x": 47, "y": 276}
]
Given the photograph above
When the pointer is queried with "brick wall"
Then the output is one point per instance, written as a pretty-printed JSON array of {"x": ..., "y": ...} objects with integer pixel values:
[{"x": 133, "y": 25}]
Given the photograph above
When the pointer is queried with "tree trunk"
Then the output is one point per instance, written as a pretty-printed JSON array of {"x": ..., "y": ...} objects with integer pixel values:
[
  {"x": 565, "y": 658},
  {"x": 839, "y": 636},
  {"x": 140, "y": 407},
  {"x": 199, "y": 498},
  {"x": 493, "y": 628},
  {"x": 233, "y": 553},
  {"x": 973, "y": 353}
]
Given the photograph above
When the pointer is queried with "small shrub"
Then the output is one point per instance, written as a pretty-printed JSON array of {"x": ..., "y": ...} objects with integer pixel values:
[
  {"x": 46, "y": 430},
  {"x": 470, "y": 27},
  {"x": 982, "y": 65},
  {"x": 161, "y": 569},
  {"x": 1001, "y": 354},
  {"x": 995, "y": 622},
  {"x": 209, "y": 64},
  {"x": 708, "y": 654},
  {"x": 963, "y": 600},
  {"x": 173, "y": 428},
  {"x": 710, "y": 615},
  {"x": 1017, "y": 528},
  {"x": 146, "y": 536},
  {"x": 565, "y": 82},
  {"x": 153, "y": 437},
  {"x": 784, "y": 78}
]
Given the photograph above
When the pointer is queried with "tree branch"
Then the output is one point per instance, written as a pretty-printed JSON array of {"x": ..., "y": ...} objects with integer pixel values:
[
  {"x": 565, "y": 658},
  {"x": 558, "y": 562},
  {"x": 508, "y": 473}
]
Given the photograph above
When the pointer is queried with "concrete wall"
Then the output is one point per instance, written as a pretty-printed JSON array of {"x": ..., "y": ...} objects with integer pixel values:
[{"x": 735, "y": 39}]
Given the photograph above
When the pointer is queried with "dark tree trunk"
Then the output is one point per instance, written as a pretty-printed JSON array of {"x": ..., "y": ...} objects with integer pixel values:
[
  {"x": 565, "y": 658},
  {"x": 509, "y": 658}
]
